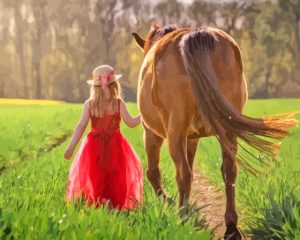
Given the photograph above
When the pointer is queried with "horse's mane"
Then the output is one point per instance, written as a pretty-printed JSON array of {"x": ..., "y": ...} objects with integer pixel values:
[{"x": 157, "y": 30}]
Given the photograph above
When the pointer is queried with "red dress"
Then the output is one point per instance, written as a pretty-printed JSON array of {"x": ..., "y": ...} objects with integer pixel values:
[{"x": 106, "y": 167}]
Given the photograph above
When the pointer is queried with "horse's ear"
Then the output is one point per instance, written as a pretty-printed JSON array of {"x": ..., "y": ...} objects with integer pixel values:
[{"x": 139, "y": 40}]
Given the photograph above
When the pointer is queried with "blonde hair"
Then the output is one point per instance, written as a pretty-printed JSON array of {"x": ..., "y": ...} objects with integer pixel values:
[{"x": 99, "y": 106}]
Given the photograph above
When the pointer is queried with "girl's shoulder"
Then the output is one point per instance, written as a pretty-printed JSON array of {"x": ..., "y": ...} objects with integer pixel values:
[
  {"x": 87, "y": 103},
  {"x": 121, "y": 101}
]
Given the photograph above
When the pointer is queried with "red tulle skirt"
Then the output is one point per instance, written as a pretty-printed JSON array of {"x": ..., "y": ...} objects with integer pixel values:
[{"x": 106, "y": 171}]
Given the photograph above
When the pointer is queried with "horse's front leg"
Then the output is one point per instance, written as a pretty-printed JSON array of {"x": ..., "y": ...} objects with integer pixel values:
[
  {"x": 153, "y": 145},
  {"x": 229, "y": 173},
  {"x": 178, "y": 151}
]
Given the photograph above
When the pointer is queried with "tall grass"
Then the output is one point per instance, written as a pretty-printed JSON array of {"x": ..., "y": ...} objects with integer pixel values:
[
  {"x": 27, "y": 131},
  {"x": 32, "y": 195},
  {"x": 269, "y": 204}
]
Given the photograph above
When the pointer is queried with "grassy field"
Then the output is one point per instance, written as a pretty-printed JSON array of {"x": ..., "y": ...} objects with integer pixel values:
[
  {"x": 34, "y": 173},
  {"x": 33, "y": 181},
  {"x": 28, "y": 131},
  {"x": 269, "y": 204}
]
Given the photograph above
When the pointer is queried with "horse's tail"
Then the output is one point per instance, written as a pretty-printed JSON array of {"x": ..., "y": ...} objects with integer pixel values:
[{"x": 218, "y": 112}]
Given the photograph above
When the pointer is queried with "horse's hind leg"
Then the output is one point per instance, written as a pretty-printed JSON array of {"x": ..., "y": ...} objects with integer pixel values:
[
  {"x": 191, "y": 151},
  {"x": 153, "y": 145},
  {"x": 178, "y": 151},
  {"x": 229, "y": 173}
]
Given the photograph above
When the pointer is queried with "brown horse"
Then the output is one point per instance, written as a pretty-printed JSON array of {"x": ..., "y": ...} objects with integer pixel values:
[{"x": 191, "y": 85}]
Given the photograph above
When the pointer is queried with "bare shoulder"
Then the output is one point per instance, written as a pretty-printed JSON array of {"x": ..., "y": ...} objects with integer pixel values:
[
  {"x": 122, "y": 104},
  {"x": 87, "y": 103}
]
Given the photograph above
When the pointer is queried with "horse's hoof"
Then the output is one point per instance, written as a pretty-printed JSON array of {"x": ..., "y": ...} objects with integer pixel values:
[{"x": 232, "y": 232}]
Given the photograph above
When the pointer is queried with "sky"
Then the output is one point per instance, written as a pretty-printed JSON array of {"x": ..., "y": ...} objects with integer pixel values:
[
  {"x": 186, "y": 1},
  {"x": 190, "y": 1},
  {"x": 220, "y": 1}
]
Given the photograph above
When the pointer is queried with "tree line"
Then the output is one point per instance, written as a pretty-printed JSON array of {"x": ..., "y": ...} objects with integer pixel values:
[{"x": 49, "y": 47}]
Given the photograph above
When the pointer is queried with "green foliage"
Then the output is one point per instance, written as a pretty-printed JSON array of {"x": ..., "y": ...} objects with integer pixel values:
[
  {"x": 269, "y": 204},
  {"x": 277, "y": 216},
  {"x": 32, "y": 195},
  {"x": 54, "y": 45},
  {"x": 28, "y": 131}
]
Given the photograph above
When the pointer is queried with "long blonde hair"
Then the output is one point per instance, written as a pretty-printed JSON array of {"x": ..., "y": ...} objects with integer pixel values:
[{"x": 99, "y": 106}]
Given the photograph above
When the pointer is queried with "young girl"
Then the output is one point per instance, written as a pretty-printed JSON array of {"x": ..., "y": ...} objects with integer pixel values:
[{"x": 105, "y": 169}]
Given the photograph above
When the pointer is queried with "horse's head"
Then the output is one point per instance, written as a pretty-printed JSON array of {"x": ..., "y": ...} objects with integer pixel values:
[{"x": 156, "y": 32}]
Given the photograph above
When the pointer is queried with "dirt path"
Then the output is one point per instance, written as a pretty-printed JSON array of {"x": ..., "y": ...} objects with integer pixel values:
[
  {"x": 214, "y": 199},
  {"x": 206, "y": 194}
]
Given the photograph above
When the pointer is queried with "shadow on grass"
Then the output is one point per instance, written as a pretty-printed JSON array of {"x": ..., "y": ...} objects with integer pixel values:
[{"x": 279, "y": 216}]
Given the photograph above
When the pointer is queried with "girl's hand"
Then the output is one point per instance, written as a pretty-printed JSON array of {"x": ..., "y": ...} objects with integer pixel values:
[
  {"x": 127, "y": 118},
  {"x": 68, "y": 154},
  {"x": 78, "y": 131}
]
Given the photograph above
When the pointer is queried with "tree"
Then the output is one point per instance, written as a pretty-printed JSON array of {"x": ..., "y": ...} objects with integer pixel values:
[
  {"x": 169, "y": 12},
  {"x": 21, "y": 26},
  {"x": 41, "y": 38},
  {"x": 38, "y": 43},
  {"x": 204, "y": 13},
  {"x": 292, "y": 8},
  {"x": 270, "y": 47}
]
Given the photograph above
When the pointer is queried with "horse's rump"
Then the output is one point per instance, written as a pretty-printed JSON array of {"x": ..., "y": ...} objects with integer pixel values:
[{"x": 196, "y": 49}]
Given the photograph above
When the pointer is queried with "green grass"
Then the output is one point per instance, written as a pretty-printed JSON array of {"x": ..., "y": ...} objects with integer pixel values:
[
  {"x": 269, "y": 204},
  {"x": 32, "y": 185},
  {"x": 32, "y": 192},
  {"x": 27, "y": 132}
]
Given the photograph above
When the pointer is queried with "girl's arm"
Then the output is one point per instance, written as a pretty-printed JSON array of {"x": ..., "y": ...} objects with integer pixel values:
[
  {"x": 79, "y": 130},
  {"x": 126, "y": 117}
]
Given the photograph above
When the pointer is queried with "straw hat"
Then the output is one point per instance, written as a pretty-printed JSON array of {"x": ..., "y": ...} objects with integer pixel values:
[{"x": 103, "y": 75}]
